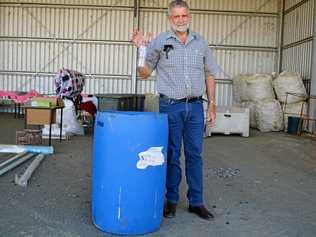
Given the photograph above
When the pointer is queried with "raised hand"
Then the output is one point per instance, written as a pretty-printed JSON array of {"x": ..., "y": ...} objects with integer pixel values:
[
  {"x": 148, "y": 37},
  {"x": 139, "y": 39}
]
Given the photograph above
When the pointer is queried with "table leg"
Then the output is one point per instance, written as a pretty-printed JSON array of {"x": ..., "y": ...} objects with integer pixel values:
[
  {"x": 50, "y": 128},
  {"x": 61, "y": 124},
  {"x": 25, "y": 118},
  {"x": 15, "y": 108},
  {"x": 19, "y": 110}
]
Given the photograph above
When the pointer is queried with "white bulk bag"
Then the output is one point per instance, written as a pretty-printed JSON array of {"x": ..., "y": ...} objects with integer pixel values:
[
  {"x": 252, "y": 112},
  {"x": 269, "y": 116},
  {"x": 240, "y": 87},
  {"x": 260, "y": 88},
  {"x": 289, "y": 82}
]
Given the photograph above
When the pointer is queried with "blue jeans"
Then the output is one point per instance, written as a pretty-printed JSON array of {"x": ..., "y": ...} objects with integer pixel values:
[{"x": 186, "y": 121}]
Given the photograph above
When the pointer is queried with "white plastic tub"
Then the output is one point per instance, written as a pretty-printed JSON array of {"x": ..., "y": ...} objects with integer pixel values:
[{"x": 230, "y": 120}]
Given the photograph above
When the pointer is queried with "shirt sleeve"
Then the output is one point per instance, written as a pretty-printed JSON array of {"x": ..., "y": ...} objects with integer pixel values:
[
  {"x": 153, "y": 54},
  {"x": 210, "y": 65}
]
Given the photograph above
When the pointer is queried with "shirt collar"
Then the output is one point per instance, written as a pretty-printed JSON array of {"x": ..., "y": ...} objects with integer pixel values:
[{"x": 192, "y": 35}]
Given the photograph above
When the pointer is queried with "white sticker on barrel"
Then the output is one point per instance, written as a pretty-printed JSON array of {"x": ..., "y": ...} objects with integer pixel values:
[{"x": 152, "y": 157}]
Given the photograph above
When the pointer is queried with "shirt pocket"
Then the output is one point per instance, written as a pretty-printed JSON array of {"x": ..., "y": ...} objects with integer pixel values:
[
  {"x": 196, "y": 60},
  {"x": 170, "y": 59}
]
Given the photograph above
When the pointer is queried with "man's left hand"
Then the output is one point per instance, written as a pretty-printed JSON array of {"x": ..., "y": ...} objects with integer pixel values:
[{"x": 211, "y": 114}]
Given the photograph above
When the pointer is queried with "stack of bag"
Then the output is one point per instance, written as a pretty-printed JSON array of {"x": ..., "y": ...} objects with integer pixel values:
[
  {"x": 257, "y": 92},
  {"x": 293, "y": 105}
]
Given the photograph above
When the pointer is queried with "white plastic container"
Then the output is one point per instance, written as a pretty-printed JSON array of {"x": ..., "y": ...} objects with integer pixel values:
[{"x": 230, "y": 120}]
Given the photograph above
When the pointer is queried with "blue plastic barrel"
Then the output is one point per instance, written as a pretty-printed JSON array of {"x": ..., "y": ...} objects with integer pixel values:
[{"x": 129, "y": 171}]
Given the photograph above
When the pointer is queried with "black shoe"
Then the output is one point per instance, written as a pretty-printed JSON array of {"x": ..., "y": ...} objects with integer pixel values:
[
  {"x": 169, "y": 210},
  {"x": 201, "y": 211}
]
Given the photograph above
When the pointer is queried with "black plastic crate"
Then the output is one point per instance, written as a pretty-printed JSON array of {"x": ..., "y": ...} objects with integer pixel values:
[{"x": 121, "y": 102}]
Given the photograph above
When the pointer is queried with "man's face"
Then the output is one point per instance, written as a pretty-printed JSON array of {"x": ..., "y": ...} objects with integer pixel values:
[{"x": 179, "y": 19}]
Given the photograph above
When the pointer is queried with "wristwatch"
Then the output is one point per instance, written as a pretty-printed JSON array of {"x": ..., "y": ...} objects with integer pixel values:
[{"x": 212, "y": 102}]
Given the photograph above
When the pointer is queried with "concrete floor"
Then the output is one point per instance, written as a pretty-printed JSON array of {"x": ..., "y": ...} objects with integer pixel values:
[{"x": 264, "y": 185}]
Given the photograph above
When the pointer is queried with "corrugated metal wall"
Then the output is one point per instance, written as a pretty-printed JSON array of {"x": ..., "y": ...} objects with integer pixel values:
[
  {"x": 298, "y": 42},
  {"x": 38, "y": 37},
  {"x": 298, "y": 36}
]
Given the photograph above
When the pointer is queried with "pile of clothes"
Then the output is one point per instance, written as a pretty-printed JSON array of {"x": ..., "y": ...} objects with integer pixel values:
[
  {"x": 18, "y": 97},
  {"x": 69, "y": 86},
  {"x": 69, "y": 83}
]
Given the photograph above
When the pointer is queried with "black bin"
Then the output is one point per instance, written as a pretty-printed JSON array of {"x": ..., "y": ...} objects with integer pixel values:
[
  {"x": 293, "y": 125},
  {"x": 121, "y": 102}
]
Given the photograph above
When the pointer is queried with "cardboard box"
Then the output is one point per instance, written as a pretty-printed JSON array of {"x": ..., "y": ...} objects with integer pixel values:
[
  {"x": 42, "y": 109},
  {"x": 35, "y": 116},
  {"x": 46, "y": 102}
]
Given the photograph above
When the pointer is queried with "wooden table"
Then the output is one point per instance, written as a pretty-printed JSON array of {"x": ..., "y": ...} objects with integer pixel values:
[{"x": 6, "y": 102}]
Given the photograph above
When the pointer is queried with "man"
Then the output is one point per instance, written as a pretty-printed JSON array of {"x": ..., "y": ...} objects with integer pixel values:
[{"x": 185, "y": 68}]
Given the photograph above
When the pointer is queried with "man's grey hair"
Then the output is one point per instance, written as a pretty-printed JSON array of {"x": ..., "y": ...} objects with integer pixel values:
[{"x": 177, "y": 3}]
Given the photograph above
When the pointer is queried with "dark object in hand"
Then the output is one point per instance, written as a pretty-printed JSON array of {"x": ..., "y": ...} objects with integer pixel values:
[{"x": 167, "y": 48}]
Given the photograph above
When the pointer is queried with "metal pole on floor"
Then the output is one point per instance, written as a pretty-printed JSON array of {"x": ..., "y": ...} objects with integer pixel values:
[
  {"x": 14, "y": 158},
  {"x": 16, "y": 163},
  {"x": 22, "y": 181}
]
